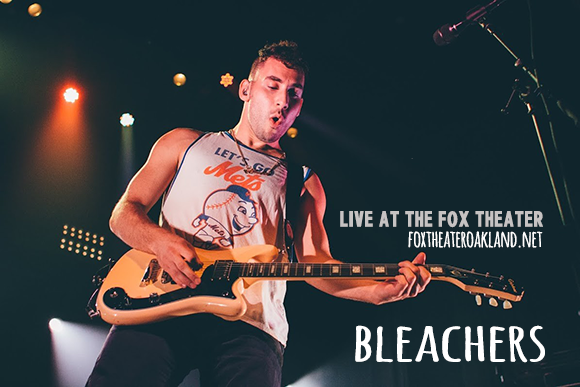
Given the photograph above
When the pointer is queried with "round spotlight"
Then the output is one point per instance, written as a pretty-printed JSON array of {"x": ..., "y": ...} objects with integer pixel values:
[
  {"x": 179, "y": 79},
  {"x": 6, "y": 1},
  {"x": 292, "y": 132},
  {"x": 70, "y": 95},
  {"x": 35, "y": 10},
  {"x": 55, "y": 325},
  {"x": 127, "y": 120}
]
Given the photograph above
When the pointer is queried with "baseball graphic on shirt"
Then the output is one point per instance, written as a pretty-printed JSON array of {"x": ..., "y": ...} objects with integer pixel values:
[{"x": 226, "y": 213}]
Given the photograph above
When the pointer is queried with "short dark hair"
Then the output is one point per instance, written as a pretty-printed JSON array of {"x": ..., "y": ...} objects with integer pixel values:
[{"x": 285, "y": 51}]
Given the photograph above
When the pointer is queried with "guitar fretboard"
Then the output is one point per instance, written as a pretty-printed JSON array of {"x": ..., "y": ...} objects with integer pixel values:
[{"x": 284, "y": 270}]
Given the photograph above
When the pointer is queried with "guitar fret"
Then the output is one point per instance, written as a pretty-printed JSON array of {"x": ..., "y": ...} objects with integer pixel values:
[{"x": 380, "y": 269}]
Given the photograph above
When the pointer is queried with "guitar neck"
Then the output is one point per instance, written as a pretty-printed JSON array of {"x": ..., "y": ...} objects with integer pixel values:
[{"x": 301, "y": 271}]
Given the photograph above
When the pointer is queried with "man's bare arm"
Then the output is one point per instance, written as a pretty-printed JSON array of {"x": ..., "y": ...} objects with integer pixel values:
[
  {"x": 312, "y": 246},
  {"x": 130, "y": 222}
]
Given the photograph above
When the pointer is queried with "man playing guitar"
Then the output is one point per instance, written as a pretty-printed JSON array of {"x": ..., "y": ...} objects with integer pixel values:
[{"x": 226, "y": 190}]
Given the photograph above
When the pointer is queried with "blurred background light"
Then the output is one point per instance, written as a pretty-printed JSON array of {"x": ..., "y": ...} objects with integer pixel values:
[
  {"x": 34, "y": 10},
  {"x": 292, "y": 132},
  {"x": 55, "y": 325},
  {"x": 71, "y": 95},
  {"x": 227, "y": 80},
  {"x": 179, "y": 79},
  {"x": 127, "y": 119}
]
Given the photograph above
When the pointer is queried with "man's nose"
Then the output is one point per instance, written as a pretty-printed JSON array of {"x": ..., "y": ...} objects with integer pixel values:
[{"x": 282, "y": 100}]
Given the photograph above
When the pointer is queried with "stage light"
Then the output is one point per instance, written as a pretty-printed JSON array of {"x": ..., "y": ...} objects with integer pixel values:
[
  {"x": 71, "y": 95},
  {"x": 55, "y": 325},
  {"x": 292, "y": 132},
  {"x": 179, "y": 79},
  {"x": 74, "y": 351},
  {"x": 5, "y": 1},
  {"x": 127, "y": 120},
  {"x": 227, "y": 80},
  {"x": 35, "y": 10},
  {"x": 77, "y": 246}
]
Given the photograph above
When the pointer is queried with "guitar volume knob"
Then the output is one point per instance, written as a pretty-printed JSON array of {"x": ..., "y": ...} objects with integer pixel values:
[{"x": 154, "y": 298}]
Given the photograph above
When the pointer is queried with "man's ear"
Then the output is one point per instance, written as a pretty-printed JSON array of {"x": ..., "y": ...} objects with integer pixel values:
[{"x": 244, "y": 90}]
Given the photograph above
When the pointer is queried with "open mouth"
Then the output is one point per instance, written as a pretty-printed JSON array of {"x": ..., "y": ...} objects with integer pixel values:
[{"x": 275, "y": 121}]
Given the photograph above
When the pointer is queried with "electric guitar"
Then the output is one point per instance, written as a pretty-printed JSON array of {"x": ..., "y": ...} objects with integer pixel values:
[{"x": 137, "y": 290}]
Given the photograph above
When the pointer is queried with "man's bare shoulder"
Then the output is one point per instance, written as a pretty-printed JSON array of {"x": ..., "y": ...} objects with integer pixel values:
[
  {"x": 178, "y": 135},
  {"x": 177, "y": 141}
]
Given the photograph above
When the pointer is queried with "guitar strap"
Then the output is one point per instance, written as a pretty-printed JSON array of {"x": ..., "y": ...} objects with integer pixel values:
[{"x": 295, "y": 182}]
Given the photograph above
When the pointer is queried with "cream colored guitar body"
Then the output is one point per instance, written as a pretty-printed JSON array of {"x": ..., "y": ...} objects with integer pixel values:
[{"x": 140, "y": 278}]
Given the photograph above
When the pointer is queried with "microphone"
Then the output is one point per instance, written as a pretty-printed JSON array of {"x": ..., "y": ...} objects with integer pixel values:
[{"x": 448, "y": 33}]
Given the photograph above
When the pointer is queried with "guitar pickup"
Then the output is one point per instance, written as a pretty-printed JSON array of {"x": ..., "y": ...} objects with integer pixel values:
[
  {"x": 151, "y": 273},
  {"x": 166, "y": 279}
]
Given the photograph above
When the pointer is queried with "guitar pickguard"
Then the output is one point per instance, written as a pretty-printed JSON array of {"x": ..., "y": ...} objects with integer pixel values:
[{"x": 117, "y": 298}]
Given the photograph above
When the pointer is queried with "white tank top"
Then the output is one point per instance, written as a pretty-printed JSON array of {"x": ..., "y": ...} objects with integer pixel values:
[{"x": 215, "y": 205}]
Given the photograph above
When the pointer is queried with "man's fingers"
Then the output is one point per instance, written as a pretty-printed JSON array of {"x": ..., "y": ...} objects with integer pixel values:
[
  {"x": 179, "y": 277},
  {"x": 410, "y": 278},
  {"x": 420, "y": 275},
  {"x": 192, "y": 280},
  {"x": 425, "y": 276},
  {"x": 420, "y": 259},
  {"x": 188, "y": 253}
]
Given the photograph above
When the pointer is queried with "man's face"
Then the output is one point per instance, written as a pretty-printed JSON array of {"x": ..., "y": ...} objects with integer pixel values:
[{"x": 274, "y": 100}]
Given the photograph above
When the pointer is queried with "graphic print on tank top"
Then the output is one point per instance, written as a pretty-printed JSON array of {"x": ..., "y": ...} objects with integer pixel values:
[{"x": 226, "y": 213}]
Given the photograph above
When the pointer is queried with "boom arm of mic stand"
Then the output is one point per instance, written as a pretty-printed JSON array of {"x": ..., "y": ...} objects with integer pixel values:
[{"x": 520, "y": 64}]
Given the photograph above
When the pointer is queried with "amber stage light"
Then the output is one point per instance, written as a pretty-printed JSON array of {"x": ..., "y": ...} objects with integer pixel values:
[{"x": 35, "y": 10}]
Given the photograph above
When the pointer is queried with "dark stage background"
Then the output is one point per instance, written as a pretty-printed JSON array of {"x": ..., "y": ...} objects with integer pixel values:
[{"x": 390, "y": 122}]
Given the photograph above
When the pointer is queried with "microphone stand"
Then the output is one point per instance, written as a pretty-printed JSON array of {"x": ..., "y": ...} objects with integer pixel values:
[{"x": 527, "y": 97}]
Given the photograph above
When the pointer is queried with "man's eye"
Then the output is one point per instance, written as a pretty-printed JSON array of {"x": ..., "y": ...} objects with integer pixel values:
[
  {"x": 242, "y": 210},
  {"x": 273, "y": 87}
]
